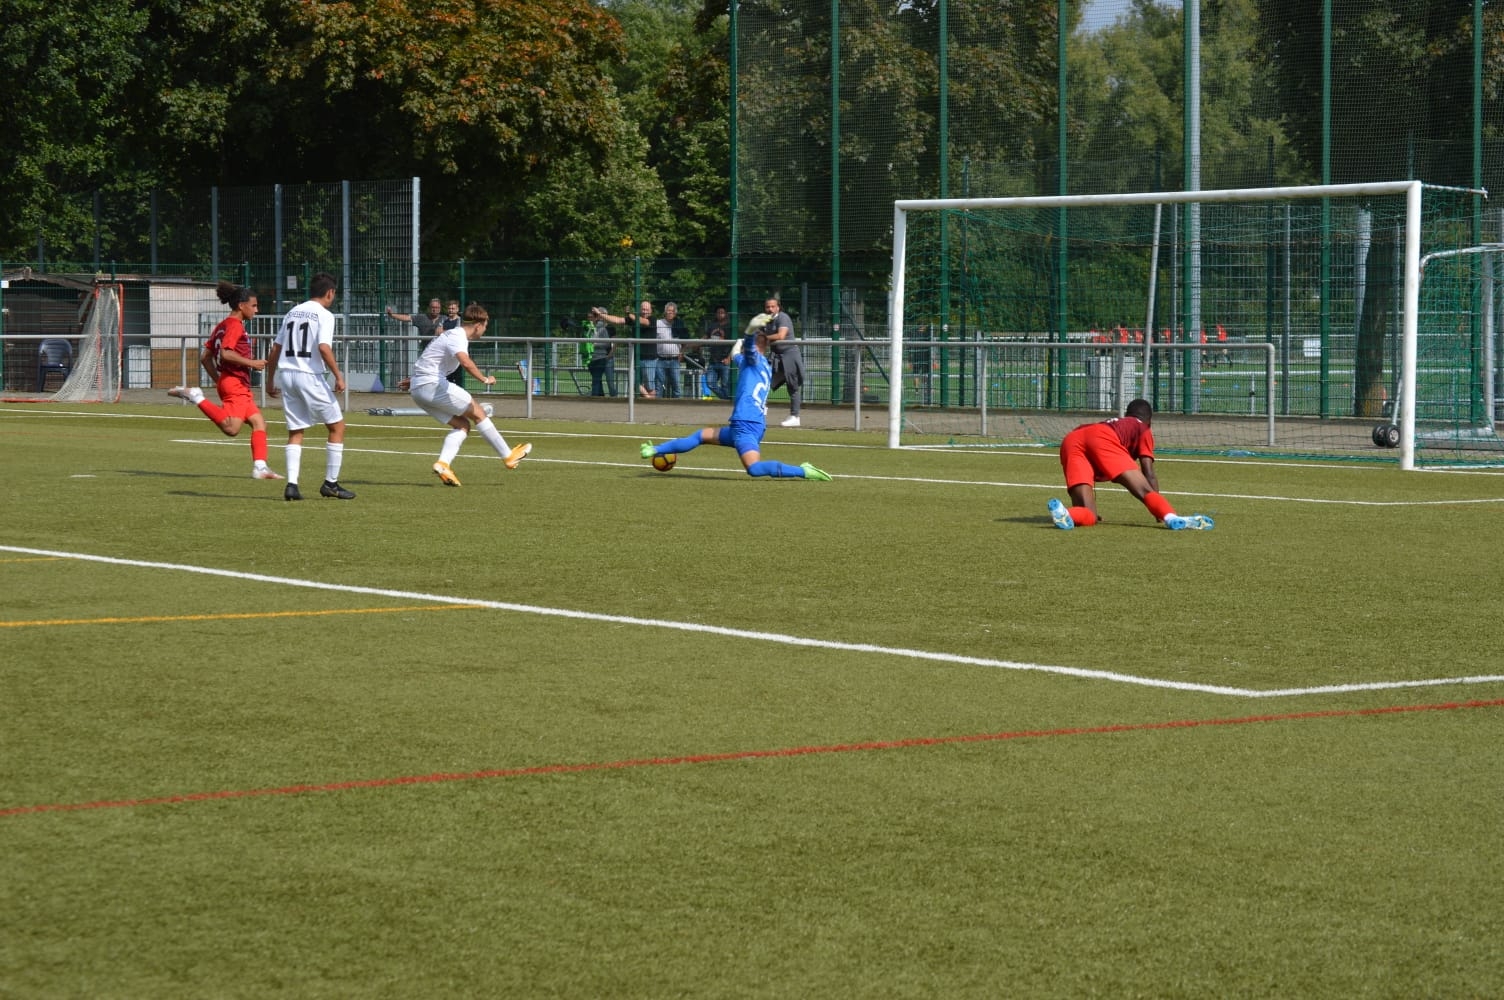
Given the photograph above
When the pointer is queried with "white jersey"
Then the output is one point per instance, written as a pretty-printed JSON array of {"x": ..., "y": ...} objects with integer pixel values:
[
  {"x": 303, "y": 329},
  {"x": 441, "y": 356}
]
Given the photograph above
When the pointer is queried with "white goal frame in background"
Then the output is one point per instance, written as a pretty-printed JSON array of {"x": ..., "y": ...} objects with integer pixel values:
[
  {"x": 1411, "y": 190},
  {"x": 97, "y": 362}
]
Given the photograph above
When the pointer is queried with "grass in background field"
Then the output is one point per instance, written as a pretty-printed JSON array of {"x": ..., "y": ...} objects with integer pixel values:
[{"x": 1317, "y": 847}]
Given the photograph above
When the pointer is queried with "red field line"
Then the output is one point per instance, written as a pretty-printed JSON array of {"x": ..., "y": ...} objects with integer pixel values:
[{"x": 716, "y": 758}]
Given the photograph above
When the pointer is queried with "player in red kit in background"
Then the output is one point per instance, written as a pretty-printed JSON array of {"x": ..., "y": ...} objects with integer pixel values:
[
  {"x": 229, "y": 357},
  {"x": 1120, "y": 450}
]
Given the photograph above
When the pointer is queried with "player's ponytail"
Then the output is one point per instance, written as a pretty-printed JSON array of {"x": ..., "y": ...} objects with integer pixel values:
[{"x": 231, "y": 294}]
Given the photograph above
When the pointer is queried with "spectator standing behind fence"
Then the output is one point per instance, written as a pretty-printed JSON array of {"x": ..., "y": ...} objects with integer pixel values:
[
  {"x": 427, "y": 324},
  {"x": 603, "y": 355},
  {"x": 451, "y": 404},
  {"x": 642, "y": 326},
  {"x": 305, "y": 348},
  {"x": 670, "y": 329},
  {"x": 450, "y": 321},
  {"x": 229, "y": 357},
  {"x": 717, "y": 371},
  {"x": 788, "y": 362}
]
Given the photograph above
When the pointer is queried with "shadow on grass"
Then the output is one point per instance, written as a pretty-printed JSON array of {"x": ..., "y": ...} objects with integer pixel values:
[{"x": 1046, "y": 522}]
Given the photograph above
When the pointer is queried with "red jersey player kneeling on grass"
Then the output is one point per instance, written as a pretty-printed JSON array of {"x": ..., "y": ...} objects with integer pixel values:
[{"x": 1120, "y": 450}]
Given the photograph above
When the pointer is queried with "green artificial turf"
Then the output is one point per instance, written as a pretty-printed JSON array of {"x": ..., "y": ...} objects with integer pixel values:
[{"x": 736, "y": 776}]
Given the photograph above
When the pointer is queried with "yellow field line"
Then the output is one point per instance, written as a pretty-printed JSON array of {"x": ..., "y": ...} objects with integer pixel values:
[{"x": 236, "y": 616}]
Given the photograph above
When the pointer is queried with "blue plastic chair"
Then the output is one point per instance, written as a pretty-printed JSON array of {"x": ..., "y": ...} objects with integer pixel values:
[{"x": 54, "y": 357}]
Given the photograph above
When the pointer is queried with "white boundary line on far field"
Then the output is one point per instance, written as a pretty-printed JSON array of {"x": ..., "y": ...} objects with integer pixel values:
[
  {"x": 994, "y": 484},
  {"x": 645, "y": 430},
  {"x": 773, "y": 637}
]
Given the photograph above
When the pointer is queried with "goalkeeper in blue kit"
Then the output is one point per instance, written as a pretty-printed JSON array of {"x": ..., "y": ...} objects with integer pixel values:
[{"x": 749, "y": 414}]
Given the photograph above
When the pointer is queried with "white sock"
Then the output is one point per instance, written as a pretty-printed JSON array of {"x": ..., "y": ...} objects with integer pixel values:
[
  {"x": 195, "y": 395},
  {"x": 294, "y": 463},
  {"x": 493, "y": 437},
  {"x": 334, "y": 457},
  {"x": 452, "y": 442}
]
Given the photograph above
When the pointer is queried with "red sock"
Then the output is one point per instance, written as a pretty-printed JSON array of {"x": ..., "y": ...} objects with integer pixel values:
[
  {"x": 1083, "y": 517},
  {"x": 258, "y": 446},
  {"x": 212, "y": 411},
  {"x": 1158, "y": 506}
]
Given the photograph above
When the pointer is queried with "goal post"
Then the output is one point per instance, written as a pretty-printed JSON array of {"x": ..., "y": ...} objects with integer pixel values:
[
  {"x": 97, "y": 364},
  {"x": 1321, "y": 283}
]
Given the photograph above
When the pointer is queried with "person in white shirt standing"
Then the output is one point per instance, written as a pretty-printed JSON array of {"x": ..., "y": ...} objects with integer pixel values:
[
  {"x": 451, "y": 404},
  {"x": 300, "y": 355}
]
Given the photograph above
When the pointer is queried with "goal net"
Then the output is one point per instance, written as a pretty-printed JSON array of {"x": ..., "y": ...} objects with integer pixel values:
[
  {"x": 1342, "y": 321},
  {"x": 96, "y": 374}
]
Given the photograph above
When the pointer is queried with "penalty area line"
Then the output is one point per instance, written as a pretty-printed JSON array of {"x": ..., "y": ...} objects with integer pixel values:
[
  {"x": 758, "y": 636},
  {"x": 545, "y": 770}
]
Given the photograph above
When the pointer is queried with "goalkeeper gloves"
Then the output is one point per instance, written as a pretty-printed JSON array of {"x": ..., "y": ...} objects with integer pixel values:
[{"x": 758, "y": 322}]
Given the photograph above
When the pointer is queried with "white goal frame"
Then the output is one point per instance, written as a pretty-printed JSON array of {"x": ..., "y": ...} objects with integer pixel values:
[
  {"x": 1411, "y": 266},
  {"x": 98, "y": 375}
]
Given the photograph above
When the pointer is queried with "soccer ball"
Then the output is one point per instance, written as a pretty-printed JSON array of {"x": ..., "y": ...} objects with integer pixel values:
[{"x": 663, "y": 463}]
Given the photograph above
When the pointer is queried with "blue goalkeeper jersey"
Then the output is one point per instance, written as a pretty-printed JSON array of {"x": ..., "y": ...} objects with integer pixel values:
[{"x": 756, "y": 375}]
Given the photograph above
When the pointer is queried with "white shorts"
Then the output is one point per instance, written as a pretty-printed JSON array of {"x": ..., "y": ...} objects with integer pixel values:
[
  {"x": 442, "y": 400},
  {"x": 306, "y": 400}
]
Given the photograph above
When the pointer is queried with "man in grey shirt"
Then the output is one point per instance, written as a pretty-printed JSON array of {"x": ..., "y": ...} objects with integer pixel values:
[{"x": 788, "y": 363}]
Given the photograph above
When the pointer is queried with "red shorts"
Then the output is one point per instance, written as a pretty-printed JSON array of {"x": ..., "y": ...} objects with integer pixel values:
[
  {"x": 236, "y": 399},
  {"x": 1094, "y": 454}
]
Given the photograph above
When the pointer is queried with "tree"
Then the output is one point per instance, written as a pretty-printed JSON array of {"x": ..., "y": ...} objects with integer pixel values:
[
  {"x": 476, "y": 96},
  {"x": 1001, "y": 61},
  {"x": 1126, "y": 90},
  {"x": 583, "y": 209},
  {"x": 1401, "y": 85},
  {"x": 675, "y": 87},
  {"x": 1401, "y": 107},
  {"x": 69, "y": 67}
]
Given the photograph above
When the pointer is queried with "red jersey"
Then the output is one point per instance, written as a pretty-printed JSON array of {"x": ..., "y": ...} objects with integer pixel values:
[
  {"x": 1135, "y": 435},
  {"x": 229, "y": 335}
]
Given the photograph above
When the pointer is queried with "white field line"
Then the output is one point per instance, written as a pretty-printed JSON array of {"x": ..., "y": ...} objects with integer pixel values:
[
  {"x": 990, "y": 484},
  {"x": 771, "y": 637},
  {"x": 1043, "y": 451},
  {"x": 645, "y": 432}
]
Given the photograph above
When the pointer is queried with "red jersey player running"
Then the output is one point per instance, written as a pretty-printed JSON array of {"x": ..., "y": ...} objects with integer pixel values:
[
  {"x": 229, "y": 357},
  {"x": 1120, "y": 450}
]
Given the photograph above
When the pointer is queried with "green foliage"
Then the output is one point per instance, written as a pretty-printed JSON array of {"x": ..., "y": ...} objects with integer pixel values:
[
  {"x": 675, "y": 86},
  {"x": 583, "y": 209},
  {"x": 499, "y": 103},
  {"x": 1001, "y": 97},
  {"x": 1126, "y": 91},
  {"x": 209, "y": 93},
  {"x": 1401, "y": 84},
  {"x": 68, "y": 69}
]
